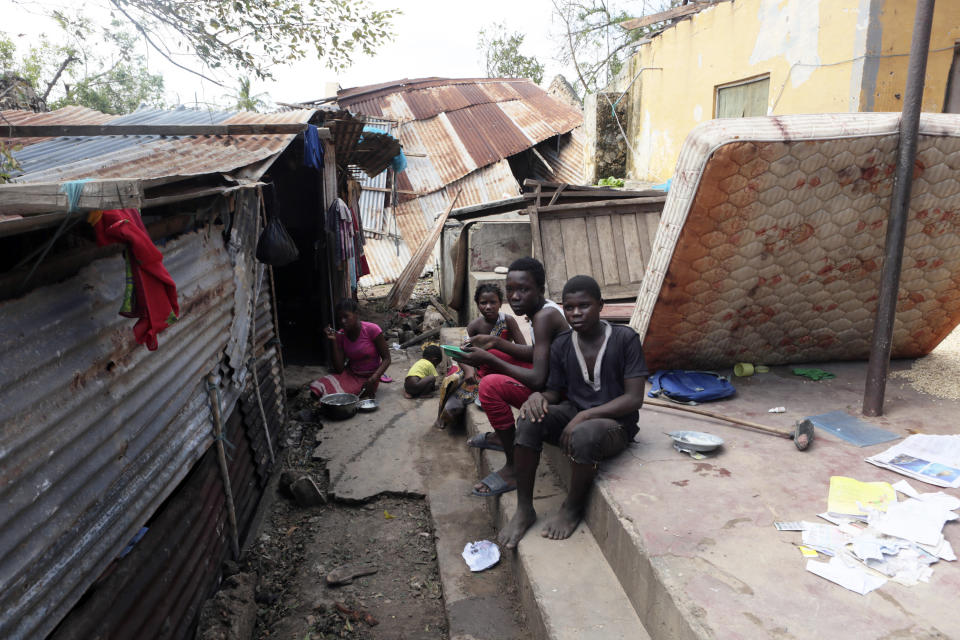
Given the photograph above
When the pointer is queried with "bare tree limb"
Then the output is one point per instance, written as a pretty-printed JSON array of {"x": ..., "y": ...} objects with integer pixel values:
[{"x": 56, "y": 76}]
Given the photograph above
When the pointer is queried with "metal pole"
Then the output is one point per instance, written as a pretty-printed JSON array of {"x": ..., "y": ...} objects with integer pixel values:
[{"x": 899, "y": 206}]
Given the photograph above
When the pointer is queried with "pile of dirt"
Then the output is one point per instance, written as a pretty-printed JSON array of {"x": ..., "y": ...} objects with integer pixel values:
[{"x": 296, "y": 548}]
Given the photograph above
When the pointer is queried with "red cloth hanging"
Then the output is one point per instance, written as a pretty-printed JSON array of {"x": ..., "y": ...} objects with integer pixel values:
[{"x": 151, "y": 293}]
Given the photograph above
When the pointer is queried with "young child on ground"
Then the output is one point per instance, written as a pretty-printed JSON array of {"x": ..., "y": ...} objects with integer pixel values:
[
  {"x": 510, "y": 384},
  {"x": 421, "y": 379},
  {"x": 589, "y": 408},
  {"x": 460, "y": 389}
]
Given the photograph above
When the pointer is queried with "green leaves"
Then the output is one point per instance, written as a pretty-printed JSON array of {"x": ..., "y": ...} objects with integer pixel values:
[
  {"x": 502, "y": 57},
  {"x": 85, "y": 65},
  {"x": 255, "y": 35}
]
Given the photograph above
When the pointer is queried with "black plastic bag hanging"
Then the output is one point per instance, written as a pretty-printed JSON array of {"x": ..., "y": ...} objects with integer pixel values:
[{"x": 275, "y": 246}]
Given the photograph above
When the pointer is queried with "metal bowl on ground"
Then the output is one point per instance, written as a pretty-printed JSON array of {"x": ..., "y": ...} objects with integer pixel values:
[
  {"x": 339, "y": 406},
  {"x": 368, "y": 404},
  {"x": 696, "y": 440}
]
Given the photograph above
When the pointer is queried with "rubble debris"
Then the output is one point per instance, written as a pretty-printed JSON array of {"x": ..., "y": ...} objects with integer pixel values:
[{"x": 357, "y": 615}]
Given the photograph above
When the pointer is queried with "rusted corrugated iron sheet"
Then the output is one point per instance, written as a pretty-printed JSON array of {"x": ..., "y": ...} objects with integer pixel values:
[
  {"x": 459, "y": 133},
  {"x": 386, "y": 255},
  {"x": 461, "y": 125},
  {"x": 64, "y": 115},
  {"x": 445, "y": 157},
  {"x": 151, "y": 157},
  {"x": 157, "y": 590},
  {"x": 565, "y": 156},
  {"x": 97, "y": 430},
  {"x": 493, "y": 182},
  {"x": 488, "y": 133},
  {"x": 372, "y": 202}
]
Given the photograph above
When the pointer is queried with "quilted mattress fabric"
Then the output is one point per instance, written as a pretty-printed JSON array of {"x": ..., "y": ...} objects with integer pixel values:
[{"x": 771, "y": 243}]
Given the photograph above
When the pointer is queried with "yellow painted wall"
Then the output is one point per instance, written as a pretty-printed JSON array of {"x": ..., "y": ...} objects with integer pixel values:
[
  {"x": 896, "y": 19},
  {"x": 813, "y": 51}
]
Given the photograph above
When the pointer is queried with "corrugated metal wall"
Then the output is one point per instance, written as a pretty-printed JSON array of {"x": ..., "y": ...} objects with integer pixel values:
[{"x": 97, "y": 431}]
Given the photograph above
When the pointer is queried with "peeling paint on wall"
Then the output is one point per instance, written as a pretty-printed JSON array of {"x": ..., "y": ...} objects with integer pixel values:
[{"x": 791, "y": 31}]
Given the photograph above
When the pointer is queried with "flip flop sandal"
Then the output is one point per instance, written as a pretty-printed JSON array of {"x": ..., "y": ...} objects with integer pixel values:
[
  {"x": 386, "y": 378},
  {"x": 496, "y": 486},
  {"x": 480, "y": 442}
]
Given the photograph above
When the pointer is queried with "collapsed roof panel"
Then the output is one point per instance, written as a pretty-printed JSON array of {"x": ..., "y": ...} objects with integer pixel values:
[
  {"x": 151, "y": 156},
  {"x": 459, "y": 133}
]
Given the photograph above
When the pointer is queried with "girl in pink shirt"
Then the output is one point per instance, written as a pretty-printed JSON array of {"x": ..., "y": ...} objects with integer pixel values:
[{"x": 360, "y": 355}]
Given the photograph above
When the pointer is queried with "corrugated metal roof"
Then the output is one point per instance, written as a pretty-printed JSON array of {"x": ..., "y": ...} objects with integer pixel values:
[
  {"x": 458, "y": 133},
  {"x": 97, "y": 430},
  {"x": 386, "y": 256},
  {"x": 64, "y": 115},
  {"x": 150, "y": 157},
  {"x": 462, "y": 124},
  {"x": 565, "y": 156},
  {"x": 488, "y": 133},
  {"x": 494, "y": 182}
]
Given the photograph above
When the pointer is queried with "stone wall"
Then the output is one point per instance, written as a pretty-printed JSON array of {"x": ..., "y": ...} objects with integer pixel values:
[{"x": 606, "y": 150}]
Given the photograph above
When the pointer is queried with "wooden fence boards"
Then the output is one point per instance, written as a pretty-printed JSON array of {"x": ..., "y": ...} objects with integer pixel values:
[{"x": 609, "y": 240}]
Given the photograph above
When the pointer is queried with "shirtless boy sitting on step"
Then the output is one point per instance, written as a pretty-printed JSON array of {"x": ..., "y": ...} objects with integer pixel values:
[{"x": 589, "y": 408}]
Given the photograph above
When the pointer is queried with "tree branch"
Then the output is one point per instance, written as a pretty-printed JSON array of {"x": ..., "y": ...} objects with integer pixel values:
[
  {"x": 146, "y": 37},
  {"x": 56, "y": 76}
]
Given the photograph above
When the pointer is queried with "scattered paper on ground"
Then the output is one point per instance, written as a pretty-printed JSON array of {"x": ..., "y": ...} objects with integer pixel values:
[
  {"x": 883, "y": 540},
  {"x": 931, "y": 459},
  {"x": 853, "y": 498},
  {"x": 853, "y": 578}
]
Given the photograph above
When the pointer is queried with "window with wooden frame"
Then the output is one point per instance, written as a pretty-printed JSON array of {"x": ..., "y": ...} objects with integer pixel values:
[{"x": 742, "y": 99}]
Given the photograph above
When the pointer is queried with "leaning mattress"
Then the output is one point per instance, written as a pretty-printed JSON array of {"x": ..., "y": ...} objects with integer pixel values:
[{"x": 771, "y": 242}]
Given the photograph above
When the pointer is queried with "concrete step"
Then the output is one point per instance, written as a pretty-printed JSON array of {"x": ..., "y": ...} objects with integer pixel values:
[
  {"x": 568, "y": 588},
  {"x": 483, "y": 605}
]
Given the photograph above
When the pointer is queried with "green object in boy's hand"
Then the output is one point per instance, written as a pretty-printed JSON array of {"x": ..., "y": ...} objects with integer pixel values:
[{"x": 452, "y": 351}]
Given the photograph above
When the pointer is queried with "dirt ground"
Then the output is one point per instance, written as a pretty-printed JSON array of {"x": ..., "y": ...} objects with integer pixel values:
[{"x": 297, "y": 547}]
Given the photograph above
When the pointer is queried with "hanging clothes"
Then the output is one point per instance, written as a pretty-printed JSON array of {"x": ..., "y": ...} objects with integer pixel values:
[
  {"x": 150, "y": 293},
  {"x": 312, "y": 148}
]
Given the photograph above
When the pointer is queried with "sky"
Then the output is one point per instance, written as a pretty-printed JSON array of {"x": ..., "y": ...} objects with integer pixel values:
[{"x": 434, "y": 38}]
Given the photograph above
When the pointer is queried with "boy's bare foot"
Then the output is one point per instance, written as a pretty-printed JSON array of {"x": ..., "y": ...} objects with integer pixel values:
[
  {"x": 407, "y": 396},
  {"x": 562, "y": 524},
  {"x": 506, "y": 473},
  {"x": 439, "y": 423},
  {"x": 522, "y": 520}
]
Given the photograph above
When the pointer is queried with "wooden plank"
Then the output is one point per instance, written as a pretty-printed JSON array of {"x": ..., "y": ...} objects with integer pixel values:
[
  {"x": 631, "y": 242},
  {"x": 87, "y": 130},
  {"x": 647, "y": 228},
  {"x": 329, "y": 174},
  {"x": 585, "y": 212},
  {"x": 601, "y": 195},
  {"x": 403, "y": 288},
  {"x": 553, "y": 260},
  {"x": 576, "y": 249},
  {"x": 32, "y": 198},
  {"x": 608, "y": 256},
  {"x": 535, "y": 233},
  {"x": 663, "y": 16},
  {"x": 653, "y": 227},
  {"x": 606, "y": 204},
  {"x": 623, "y": 273},
  {"x": 596, "y": 264},
  {"x": 613, "y": 291}
]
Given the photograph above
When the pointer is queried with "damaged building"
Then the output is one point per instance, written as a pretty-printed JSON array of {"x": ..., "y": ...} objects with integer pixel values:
[{"x": 128, "y": 475}]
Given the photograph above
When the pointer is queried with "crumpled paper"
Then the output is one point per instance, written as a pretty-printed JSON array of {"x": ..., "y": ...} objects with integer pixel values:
[{"x": 481, "y": 555}]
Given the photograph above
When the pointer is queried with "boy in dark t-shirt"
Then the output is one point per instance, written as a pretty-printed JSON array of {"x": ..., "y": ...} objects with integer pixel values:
[{"x": 589, "y": 408}]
